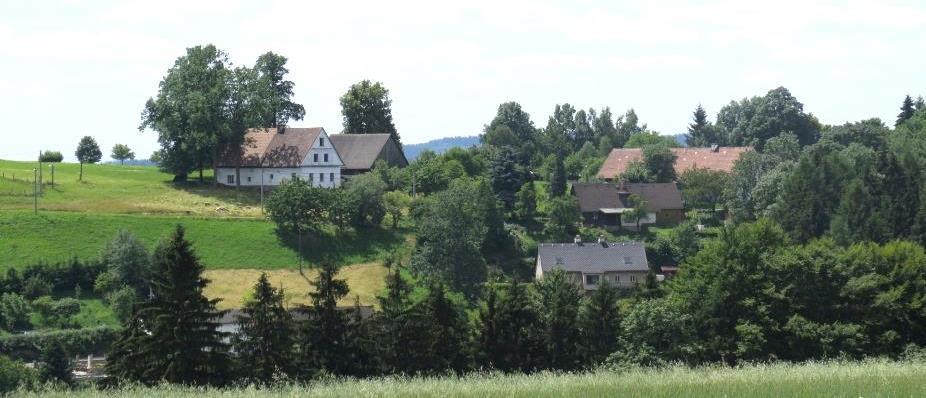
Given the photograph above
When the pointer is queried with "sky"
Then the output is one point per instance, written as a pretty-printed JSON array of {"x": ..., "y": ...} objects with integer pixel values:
[{"x": 76, "y": 68}]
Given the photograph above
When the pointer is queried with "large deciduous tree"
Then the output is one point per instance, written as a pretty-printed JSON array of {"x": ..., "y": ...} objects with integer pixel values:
[
  {"x": 276, "y": 106},
  {"x": 755, "y": 120},
  {"x": 298, "y": 207},
  {"x": 367, "y": 109},
  {"x": 87, "y": 152}
]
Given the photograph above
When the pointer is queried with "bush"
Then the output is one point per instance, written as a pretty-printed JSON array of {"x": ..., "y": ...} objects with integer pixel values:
[
  {"x": 85, "y": 341},
  {"x": 61, "y": 277},
  {"x": 50, "y": 157},
  {"x": 14, "y": 312},
  {"x": 14, "y": 375},
  {"x": 56, "y": 313}
]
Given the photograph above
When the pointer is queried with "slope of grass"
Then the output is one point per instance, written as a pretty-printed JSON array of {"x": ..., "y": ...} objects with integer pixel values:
[
  {"x": 866, "y": 379},
  {"x": 121, "y": 189},
  {"x": 219, "y": 242}
]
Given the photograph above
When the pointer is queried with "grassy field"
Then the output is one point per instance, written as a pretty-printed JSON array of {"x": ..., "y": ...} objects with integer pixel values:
[
  {"x": 867, "y": 379},
  {"x": 121, "y": 189}
]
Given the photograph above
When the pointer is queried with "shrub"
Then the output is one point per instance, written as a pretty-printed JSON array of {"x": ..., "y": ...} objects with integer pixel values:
[
  {"x": 74, "y": 341},
  {"x": 14, "y": 312},
  {"x": 14, "y": 375},
  {"x": 50, "y": 157}
]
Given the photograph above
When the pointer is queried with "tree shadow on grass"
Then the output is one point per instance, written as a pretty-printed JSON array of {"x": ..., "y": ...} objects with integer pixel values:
[
  {"x": 237, "y": 196},
  {"x": 351, "y": 246}
]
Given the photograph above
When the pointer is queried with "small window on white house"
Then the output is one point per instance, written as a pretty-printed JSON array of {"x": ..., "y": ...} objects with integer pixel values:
[
  {"x": 249, "y": 179},
  {"x": 326, "y": 158},
  {"x": 294, "y": 176},
  {"x": 592, "y": 280},
  {"x": 331, "y": 177},
  {"x": 231, "y": 178},
  {"x": 271, "y": 177},
  {"x": 311, "y": 177},
  {"x": 315, "y": 158},
  {"x": 321, "y": 141},
  {"x": 617, "y": 278},
  {"x": 321, "y": 177},
  {"x": 633, "y": 278},
  {"x": 628, "y": 261}
]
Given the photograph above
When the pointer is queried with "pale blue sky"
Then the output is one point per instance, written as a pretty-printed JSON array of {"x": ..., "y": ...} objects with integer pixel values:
[{"x": 75, "y": 68}]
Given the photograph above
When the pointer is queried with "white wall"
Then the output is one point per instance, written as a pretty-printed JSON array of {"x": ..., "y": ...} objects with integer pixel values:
[{"x": 276, "y": 176}]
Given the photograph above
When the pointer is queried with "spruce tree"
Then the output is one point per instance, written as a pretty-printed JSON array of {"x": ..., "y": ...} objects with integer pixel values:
[
  {"x": 449, "y": 331},
  {"x": 699, "y": 132},
  {"x": 361, "y": 342},
  {"x": 487, "y": 342},
  {"x": 526, "y": 204},
  {"x": 907, "y": 110},
  {"x": 506, "y": 176},
  {"x": 56, "y": 366},
  {"x": 560, "y": 299},
  {"x": 557, "y": 180},
  {"x": 264, "y": 342},
  {"x": 520, "y": 332},
  {"x": 180, "y": 342},
  {"x": 599, "y": 321},
  {"x": 325, "y": 342},
  {"x": 390, "y": 322},
  {"x": 127, "y": 357}
]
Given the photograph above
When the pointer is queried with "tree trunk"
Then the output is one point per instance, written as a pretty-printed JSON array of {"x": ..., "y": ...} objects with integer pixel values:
[
  {"x": 201, "y": 174},
  {"x": 81, "y": 178}
]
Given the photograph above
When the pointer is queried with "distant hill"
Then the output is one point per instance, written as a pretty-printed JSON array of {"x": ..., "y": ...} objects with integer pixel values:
[
  {"x": 440, "y": 145},
  {"x": 681, "y": 139}
]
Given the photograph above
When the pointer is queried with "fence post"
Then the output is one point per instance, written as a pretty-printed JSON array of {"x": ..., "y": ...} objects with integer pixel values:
[{"x": 35, "y": 190}]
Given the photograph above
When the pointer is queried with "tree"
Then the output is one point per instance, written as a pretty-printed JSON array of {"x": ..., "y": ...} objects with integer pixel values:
[
  {"x": 56, "y": 366},
  {"x": 560, "y": 301},
  {"x": 660, "y": 162},
  {"x": 174, "y": 334},
  {"x": 56, "y": 313},
  {"x": 563, "y": 216},
  {"x": 297, "y": 207},
  {"x": 14, "y": 312},
  {"x": 395, "y": 203},
  {"x": 324, "y": 335},
  {"x": 654, "y": 332},
  {"x": 519, "y": 333},
  {"x": 557, "y": 181},
  {"x": 506, "y": 176},
  {"x": 526, "y": 202},
  {"x": 636, "y": 172},
  {"x": 701, "y": 133},
  {"x": 702, "y": 188},
  {"x": 639, "y": 210},
  {"x": 121, "y": 152},
  {"x": 448, "y": 331},
  {"x": 393, "y": 349},
  {"x": 127, "y": 263},
  {"x": 806, "y": 202},
  {"x": 627, "y": 126},
  {"x": 87, "y": 152},
  {"x": 753, "y": 121},
  {"x": 15, "y": 375},
  {"x": 364, "y": 193},
  {"x": 367, "y": 109},
  {"x": 599, "y": 322},
  {"x": 644, "y": 139},
  {"x": 50, "y": 157},
  {"x": 907, "y": 110},
  {"x": 275, "y": 92},
  {"x": 264, "y": 342}
]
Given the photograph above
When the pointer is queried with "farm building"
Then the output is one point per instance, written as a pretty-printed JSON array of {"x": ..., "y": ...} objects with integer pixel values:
[
  {"x": 360, "y": 151},
  {"x": 270, "y": 156},
  {"x": 588, "y": 265},
  {"x": 604, "y": 204},
  {"x": 713, "y": 158}
]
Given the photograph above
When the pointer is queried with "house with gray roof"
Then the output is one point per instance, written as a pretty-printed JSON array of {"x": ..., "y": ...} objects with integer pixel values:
[
  {"x": 588, "y": 265},
  {"x": 605, "y": 204},
  {"x": 360, "y": 151}
]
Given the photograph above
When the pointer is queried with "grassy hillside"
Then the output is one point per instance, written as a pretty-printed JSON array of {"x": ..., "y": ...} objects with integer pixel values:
[
  {"x": 868, "y": 379},
  {"x": 121, "y": 189}
]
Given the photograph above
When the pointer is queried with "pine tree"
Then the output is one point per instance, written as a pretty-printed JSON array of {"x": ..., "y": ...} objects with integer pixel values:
[
  {"x": 558, "y": 178},
  {"x": 264, "y": 342},
  {"x": 560, "y": 299},
  {"x": 180, "y": 342},
  {"x": 599, "y": 321},
  {"x": 526, "y": 205},
  {"x": 127, "y": 357},
  {"x": 325, "y": 335},
  {"x": 699, "y": 132},
  {"x": 390, "y": 322},
  {"x": 906, "y": 111},
  {"x": 56, "y": 366},
  {"x": 506, "y": 176},
  {"x": 487, "y": 338},
  {"x": 361, "y": 342},
  {"x": 520, "y": 332},
  {"x": 448, "y": 331}
]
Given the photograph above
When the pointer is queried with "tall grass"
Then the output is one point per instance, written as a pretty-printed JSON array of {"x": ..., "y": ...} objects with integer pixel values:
[{"x": 833, "y": 379}]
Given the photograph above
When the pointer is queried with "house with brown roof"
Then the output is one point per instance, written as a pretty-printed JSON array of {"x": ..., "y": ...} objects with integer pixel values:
[
  {"x": 588, "y": 265},
  {"x": 713, "y": 158},
  {"x": 604, "y": 204},
  {"x": 270, "y": 156},
  {"x": 360, "y": 151}
]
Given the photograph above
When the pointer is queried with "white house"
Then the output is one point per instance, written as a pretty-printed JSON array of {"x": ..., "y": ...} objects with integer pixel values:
[{"x": 270, "y": 156}]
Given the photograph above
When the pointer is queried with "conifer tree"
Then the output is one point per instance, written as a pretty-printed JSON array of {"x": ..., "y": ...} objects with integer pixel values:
[
  {"x": 127, "y": 356},
  {"x": 599, "y": 321},
  {"x": 325, "y": 335},
  {"x": 264, "y": 342},
  {"x": 506, "y": 176},
  {"x": 487, "y": 338},
  {"x": 520, "y": 332},
  {"x": 560, "y": 299},
  {"x": 361, "y": 343},
  {"x": 557, "y": 180},
  {"x": 179, "y": 340},
  {"x": 907, "y": 110},
  {"x": 56, "y": 366},
  {"x": 448, "y": 331},
  {"x": 526, "y": 204},
  {"x": 700, "y": 132},
  {"x": 390, "y": 322}
]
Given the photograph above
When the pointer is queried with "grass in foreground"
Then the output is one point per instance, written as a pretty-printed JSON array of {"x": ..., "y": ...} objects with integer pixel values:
[
  {"x": 121, "y": 189},
  {"x": 852, "y": 379}
]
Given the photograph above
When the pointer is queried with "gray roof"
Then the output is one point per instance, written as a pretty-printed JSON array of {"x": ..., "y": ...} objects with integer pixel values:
[
  {"x": 359, "y": 151},
  {"x": 593, "y": 257},
  {"x": 658, "y": 196}
]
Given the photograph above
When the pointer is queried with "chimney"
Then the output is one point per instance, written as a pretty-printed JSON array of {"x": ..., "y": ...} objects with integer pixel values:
[{"x": 578, "y": 240}]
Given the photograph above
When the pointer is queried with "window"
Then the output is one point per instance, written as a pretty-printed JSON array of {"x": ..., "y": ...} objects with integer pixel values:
[
  {"x": 321, "y": 142},
  {"x": 271, "y": 177},
  {"x": 315, "y": 157},
  {"x": 231, "y": 178},
  {"x": 321, "y": 177},
  {"x": 294, "y": 176},
  {"x": 617, "y": 278},
  {"x": 331, "y": 177},
  {"x": 628, "y": 261},
  {"x": 311, "y": 177},
  {"x": 249, "y": 179},
  {"x": 326, "y": 158},
  {"x": 633, "y": 278},
  {"x": 592, "y": 279}
]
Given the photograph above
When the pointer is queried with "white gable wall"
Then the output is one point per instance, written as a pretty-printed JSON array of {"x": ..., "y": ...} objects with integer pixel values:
[{"x": 320, "y": 173}]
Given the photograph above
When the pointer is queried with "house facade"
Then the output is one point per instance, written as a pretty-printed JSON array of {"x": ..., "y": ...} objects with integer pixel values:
[
  {"x": 588, "y": 265},
  {"x": 606, "y": 204},
  {"x": 360, "y": 151},
  {"x": 271, "y": 156},
  {"x": 712, "y": 158}
]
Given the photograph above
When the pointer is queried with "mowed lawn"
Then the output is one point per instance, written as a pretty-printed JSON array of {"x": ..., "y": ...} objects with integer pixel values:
[
  {"x": 110, "y": 188},
  {"x": 849, "y": 379}
]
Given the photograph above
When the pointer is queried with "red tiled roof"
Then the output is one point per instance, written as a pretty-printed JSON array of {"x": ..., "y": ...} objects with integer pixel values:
[
  {"x": 688, "y": 158},
  {"x": 266, "y": 147}
]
